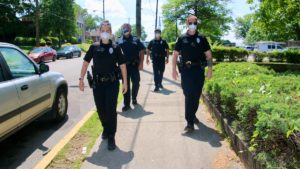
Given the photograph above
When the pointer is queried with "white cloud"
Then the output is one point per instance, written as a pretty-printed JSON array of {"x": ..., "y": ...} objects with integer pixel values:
[{"x": 113, "y": 8}]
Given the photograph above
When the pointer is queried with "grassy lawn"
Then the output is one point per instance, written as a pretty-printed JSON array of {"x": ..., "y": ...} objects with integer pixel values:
[
  {"x": 84, "y": 46},
  {"x": 71, "y": 155}
]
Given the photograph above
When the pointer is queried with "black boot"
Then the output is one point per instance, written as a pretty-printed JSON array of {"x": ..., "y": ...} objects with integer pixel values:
[
  {"x": 111, "y": 145},
  {"x": 126, "y": 108},
  {"x": 134, "y": 102},
  {"x": 189, "y": 128}
]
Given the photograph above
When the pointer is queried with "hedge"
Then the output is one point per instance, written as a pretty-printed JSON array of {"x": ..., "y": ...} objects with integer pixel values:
[
  {"x": 263, "y": 107},
  {"x": 30, "y": 41},
  {"x": 231, "y": 54}
]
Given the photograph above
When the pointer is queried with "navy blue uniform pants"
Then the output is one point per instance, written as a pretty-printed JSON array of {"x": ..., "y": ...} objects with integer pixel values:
[
  {"x": 192, "y": 80},
  {"x": 106, "y": 97},
  {"x": 133, "y": 76},
  {"x": 158, "y": 70}
]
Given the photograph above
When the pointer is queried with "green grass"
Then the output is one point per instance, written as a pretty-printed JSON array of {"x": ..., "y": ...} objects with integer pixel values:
[
  {"x": 88, "y": 135},
  {"x": 84, "y": 46}
]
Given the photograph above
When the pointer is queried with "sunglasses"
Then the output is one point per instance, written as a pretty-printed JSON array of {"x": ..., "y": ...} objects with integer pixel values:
[
  {"x": 105, "y": 24},
  {"x": 193, "y": 23}
]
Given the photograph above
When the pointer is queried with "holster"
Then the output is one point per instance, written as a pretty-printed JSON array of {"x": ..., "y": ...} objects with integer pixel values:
[{"x": 90, "y": 79}]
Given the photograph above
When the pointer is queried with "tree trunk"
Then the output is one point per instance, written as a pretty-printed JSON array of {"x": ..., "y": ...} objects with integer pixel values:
[
  {"x": 37, "y": 23},
  {"x": 138, "y": 18}
]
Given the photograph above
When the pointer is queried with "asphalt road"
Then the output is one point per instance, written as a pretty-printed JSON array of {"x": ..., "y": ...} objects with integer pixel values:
[{"x": 26, "y": 148}]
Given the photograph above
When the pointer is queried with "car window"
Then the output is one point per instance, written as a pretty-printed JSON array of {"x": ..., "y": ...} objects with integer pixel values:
[
  {"x": 19, "y": 64},
  {"x": 1, "y": 75}
]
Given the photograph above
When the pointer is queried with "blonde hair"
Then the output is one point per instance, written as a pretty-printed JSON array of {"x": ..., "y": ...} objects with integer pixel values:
[
  {"x": 105, "y": 22},
  {"x": 190, "y": 18}
]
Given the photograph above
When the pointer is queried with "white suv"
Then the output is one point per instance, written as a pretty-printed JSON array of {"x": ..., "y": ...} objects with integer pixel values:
[{"x": 27, "y": 91}]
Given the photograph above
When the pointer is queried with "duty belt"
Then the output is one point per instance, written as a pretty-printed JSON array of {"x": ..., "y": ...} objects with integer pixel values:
[
  {"x": 105, "y": 78},
  {"x": 134, "y": 63},
  {"x": 190, "y": 64}
]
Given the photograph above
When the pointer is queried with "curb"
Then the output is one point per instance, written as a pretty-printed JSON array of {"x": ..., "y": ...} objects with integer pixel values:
[
  {"x": 240, "y": 147},
  {"x": 54, "y": 151}
]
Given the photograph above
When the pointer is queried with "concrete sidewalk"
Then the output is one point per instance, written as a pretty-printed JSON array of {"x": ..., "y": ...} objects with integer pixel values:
[{"x": 151, "y": 136}]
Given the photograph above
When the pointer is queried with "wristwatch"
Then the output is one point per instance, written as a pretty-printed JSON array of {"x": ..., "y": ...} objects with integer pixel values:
[{"x": 80, "y": 78}]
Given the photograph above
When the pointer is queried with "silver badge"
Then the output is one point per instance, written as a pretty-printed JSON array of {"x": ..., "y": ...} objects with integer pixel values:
[
  {"x": 101, "y": 49},
  {"x": 185, "y": 40},
  {"x": 198, "y": 40},
  {"x": 161, "y": 42},
  {"x": 111, "y": 50}
]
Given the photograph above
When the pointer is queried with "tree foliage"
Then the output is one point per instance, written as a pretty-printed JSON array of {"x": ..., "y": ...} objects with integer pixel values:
[
  {"x": 242, "y": 26},
  {"x": 213, "y": 14},
  {"x": 58, "y": 18},
  {"x": 276, "y": 20},
  {"x": 90, "y": 21},
  {"x": 118, "y": 33},
  {"x": 169, "y": 31}
]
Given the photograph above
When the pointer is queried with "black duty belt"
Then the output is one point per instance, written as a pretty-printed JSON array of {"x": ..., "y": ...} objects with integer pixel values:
[
  {"x": 133, "y": 63},
  {"x": 101, "y": 78}
]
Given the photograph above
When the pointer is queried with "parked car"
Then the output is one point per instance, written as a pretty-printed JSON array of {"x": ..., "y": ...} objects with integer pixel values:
[
  {"x": 43, "y": 54},
  {"x": 269, "y": 46},
  {"x": 28, "y": 91},
  {"x": 68, "y": 52}
]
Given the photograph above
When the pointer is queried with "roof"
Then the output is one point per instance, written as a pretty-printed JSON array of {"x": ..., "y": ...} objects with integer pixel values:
[{"x": 3, "y": 44}]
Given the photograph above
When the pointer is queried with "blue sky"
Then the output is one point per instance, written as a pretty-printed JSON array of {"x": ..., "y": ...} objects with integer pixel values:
[{"x": 118, "y": 12}]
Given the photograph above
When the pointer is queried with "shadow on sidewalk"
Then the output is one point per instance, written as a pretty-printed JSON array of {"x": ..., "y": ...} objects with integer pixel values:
[
  {"x": 166, "y": 91},
  {"x": 136, "y": 113},
  {"x": 206, "y": 134},
  {"x": 110, "y": 159}
]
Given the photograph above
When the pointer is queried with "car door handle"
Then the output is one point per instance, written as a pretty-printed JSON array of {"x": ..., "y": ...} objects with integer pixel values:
[{"x": 24, "y": 87}]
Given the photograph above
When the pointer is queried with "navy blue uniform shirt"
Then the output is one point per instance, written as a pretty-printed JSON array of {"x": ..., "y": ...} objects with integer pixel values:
[
  {"x": 158, "y": 47},
  {"x": 192, "y": 47},
  {"x": 131, "y": 47},
  {"x": 106, "y": 57}
]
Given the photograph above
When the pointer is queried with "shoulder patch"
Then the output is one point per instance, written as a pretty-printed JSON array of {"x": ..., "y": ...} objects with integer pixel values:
[{"x": 134, "y": 38}]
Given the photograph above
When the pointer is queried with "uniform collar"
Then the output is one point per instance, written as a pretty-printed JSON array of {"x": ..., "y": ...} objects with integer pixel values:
[
  {"x": 129, "y": 37},
  {"x": 196, "y": 34}
]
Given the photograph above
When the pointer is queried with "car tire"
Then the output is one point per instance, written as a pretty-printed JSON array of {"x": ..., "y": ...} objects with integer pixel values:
[
  {"x": 54, "y": 58},
  {"x": 60, "y": 106},
  {"x": 79, "y": 55}
]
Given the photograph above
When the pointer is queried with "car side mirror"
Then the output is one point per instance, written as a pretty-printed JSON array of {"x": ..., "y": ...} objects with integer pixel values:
[{"x": 43, "y": 68}]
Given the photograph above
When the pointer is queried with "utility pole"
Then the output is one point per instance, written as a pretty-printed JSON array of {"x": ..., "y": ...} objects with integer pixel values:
[
  {"x": 138, "y": 18},
  {"x": 37, "y": 23},
  {"x": 176, "y": 29},
  {"x": 103, "y": 11},
  {"x": 159, "y": 23},
  {"x": 156, "y": 14},
  {"x": 129, "y": 20}
]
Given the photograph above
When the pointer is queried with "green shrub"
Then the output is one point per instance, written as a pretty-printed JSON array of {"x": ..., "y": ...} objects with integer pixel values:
[
  {"x": 43, "y": 42},
  {"x": 263, "y": 105},
  {"x": 172, "y": 45},
  {"x": 221, "y": 53},
  {"x": 89, "y": 41},
  {"x": 72, "y": 40},
  {"x": 24, "y": 41},
  {"x": 292, "y": 56}
]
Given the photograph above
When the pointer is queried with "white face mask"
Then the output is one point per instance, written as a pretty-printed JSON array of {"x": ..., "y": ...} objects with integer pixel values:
[
  {"x": 104, "y": 35},
  {"x": 157, "y": 35},
  {"x": 192, "y": 27}
]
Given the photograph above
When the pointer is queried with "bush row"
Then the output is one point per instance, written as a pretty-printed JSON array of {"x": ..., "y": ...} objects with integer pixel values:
[
  {"x": 263, "y": 107},
  {"x": 52, "y": 41}
]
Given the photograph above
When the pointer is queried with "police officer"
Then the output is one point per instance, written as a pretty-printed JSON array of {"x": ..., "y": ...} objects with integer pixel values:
[
  {"x": 159, "y": 49},
  {"x": 195, "y": 55},
  {"x": 107, "y": 59},
  {"x": 134, "y": 57}
]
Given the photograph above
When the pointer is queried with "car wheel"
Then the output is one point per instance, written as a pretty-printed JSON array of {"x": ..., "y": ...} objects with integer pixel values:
[
  {"x": 60, "y": 106},
  {"x": 79, "y": 55},
  {"x": 54, "y": 58}
]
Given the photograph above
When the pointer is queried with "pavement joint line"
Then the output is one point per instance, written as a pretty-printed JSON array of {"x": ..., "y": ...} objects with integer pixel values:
[{"x": 60, "y": 145}]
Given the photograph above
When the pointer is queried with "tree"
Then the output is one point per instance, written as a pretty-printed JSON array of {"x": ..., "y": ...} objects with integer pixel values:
[
  {"x": 90, "y": 21},
  {"x": 143, "y": 37},
  {"x": 138, "y": 25},
  {"x": 37, "y": 23},
  {"x": 11, "y": 12},
  {"x": 169, "y": 31},
  {"x": 58, "y": 18},
  {"x": 277, "y": 20},
  {"x": 242, "y": 26},
  {"x": 213, "y": 14}
]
